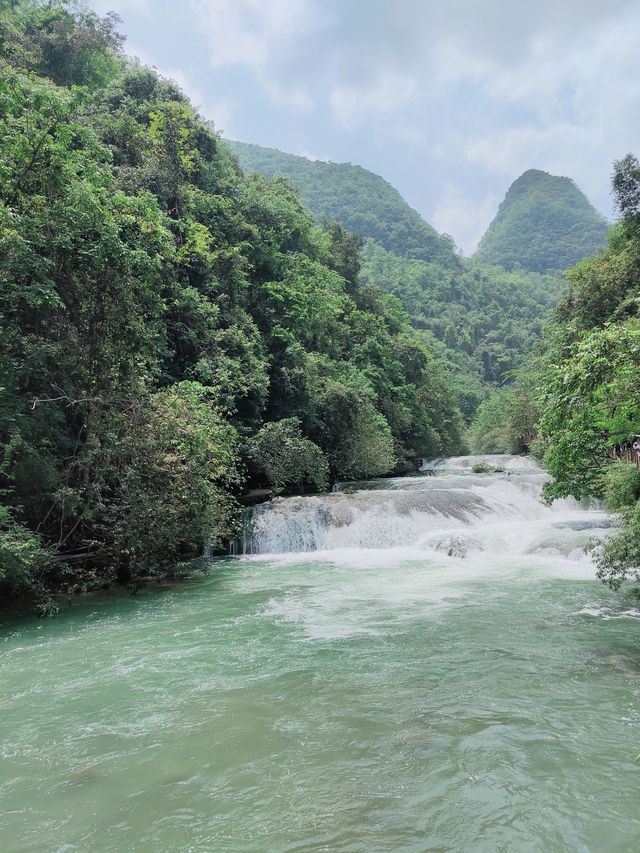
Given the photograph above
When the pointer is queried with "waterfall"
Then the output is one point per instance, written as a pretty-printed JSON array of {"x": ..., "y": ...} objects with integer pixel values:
[{"x": 448, "y": 510}]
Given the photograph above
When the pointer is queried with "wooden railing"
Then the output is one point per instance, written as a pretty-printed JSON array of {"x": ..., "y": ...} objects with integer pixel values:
[{"x": 625, "y": 455}]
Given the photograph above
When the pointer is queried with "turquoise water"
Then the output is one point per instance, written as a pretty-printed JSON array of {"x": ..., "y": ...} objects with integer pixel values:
[{"x": 347, "y": 700}]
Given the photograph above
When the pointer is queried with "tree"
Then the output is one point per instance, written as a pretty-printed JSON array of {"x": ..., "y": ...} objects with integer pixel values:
[
  {"x": 160, "y": 313},
  {"x": 286, "y": 458},
  {"x": 626, "y": 185}
]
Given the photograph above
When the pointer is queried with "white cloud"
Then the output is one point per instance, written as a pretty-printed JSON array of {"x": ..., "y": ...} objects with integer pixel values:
[
  {"x": 583, "y": 109},
  {"x": 257, "y": 35},
  {"x": 449, "y": 101},
  {"x": 141, "y": 7},
  {"x": 373, "y": 102},
  {"x": 462, "y": 216}
]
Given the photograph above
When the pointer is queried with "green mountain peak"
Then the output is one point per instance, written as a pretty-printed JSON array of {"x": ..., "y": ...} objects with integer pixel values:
[{"x": 545, "y": 224}]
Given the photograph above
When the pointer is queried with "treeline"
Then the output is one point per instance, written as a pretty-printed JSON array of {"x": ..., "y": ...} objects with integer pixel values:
[
  {"x": 482, "y": 320},
  {"x": 581, "y": 390},
  {"x": 172, "y": 331}
]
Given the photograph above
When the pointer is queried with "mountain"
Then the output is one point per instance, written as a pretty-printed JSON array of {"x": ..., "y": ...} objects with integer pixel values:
[
  {"x": 545, "y": 224},
  {"x": 359, "y": 200},
  {"x": 480, "y": 319}
]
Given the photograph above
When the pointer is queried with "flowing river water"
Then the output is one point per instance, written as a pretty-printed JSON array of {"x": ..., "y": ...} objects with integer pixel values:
[{"x": 414, "y": 664}]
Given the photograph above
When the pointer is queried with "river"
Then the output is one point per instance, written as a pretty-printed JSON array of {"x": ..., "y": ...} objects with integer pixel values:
[{"x": 420, "y": 664}]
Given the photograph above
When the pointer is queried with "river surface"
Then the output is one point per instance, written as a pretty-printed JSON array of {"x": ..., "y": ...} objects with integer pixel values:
[{"x": 424, "y": 664}]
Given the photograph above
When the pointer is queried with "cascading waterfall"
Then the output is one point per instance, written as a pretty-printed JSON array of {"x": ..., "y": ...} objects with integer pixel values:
[{"x": 448, "y": 510}]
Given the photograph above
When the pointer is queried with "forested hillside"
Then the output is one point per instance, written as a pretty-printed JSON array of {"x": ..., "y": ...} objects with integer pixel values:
[
  {"x": 545, "y": 224},
  {"x": 171, "y": 330},
  {"x": 591, "y": 396},
  {"x": 481, "y": 318},
  {"x": 359, "y": 200}
]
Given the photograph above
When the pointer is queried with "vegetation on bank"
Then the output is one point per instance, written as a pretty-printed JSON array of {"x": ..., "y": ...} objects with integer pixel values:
[{"x": 172, "y": 330}]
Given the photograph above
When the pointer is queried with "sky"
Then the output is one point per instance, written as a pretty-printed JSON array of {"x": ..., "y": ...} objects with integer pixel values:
[{"x": 449, "y": 101}]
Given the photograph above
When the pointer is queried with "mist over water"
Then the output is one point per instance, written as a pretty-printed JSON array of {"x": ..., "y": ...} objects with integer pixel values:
[{"x": 425, "y": 663}]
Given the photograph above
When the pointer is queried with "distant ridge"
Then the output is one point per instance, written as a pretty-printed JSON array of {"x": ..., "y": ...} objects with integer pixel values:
[
  {"x": 545, "y": 224},
  {"x": 358, "y": 199}
]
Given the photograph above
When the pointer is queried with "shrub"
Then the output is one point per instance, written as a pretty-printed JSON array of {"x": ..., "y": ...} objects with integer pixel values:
[
  {"x": 286, "y": 458},
  {"x": 23, "y": 559},
  {"x": 483, "y": 468},
  {"x": 618, "y": 559},
  {"x": 620, "y": 486}
]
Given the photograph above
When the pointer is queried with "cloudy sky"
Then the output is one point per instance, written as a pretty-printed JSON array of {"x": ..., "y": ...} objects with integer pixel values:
[{"x": 449, "y": 101}]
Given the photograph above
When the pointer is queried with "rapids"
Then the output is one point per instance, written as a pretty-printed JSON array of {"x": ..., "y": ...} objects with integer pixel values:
[
  {"x": 449, "y": 509},
  {"x": 411, "y": 664}
]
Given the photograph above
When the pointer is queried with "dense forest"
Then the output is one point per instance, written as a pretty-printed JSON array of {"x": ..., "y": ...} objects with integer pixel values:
[
  {"x": 482, "y": 320},
  {"x": 545, "y": 224},
  {"x": 173, "y": 331}
]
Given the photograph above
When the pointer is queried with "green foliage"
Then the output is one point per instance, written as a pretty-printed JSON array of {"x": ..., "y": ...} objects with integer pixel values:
[
  {"x": 483, "y": 320},
  {"x": 280, "y": 451},
  {"x": 355, "y": 437},
  {"x": 626, "y": 187},
  {"x": 592, "y": 395},
  {"x": 60, "y": 40},
  {"x": 502, "y": 421},
  {"x": 618, "y": 558},
  {"x": 592, "y": 402},
  {"x": 359, "y": 200},
  {"x": 23, "y": 560},
  {"x": 159, "y": 311},
  {"x": 484, "y": 468},
  {"x": 545, "y": 224},
  {"x": 621, "y": 486},
  {"x": 165, "y": 480}
]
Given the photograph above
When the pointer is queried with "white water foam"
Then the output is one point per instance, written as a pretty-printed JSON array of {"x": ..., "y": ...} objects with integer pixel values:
[
  {"x": 451, "y": 515},
  {"x": 465, "y": 464}
]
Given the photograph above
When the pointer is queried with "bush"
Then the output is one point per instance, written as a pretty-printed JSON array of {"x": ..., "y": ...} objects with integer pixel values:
[
  {"x": 356, "y": 437},
  {"x": 286, "y": 458},
  {"x": 483, "y": 468},
  {"x": 23, "y": 560},
  {"x": 166, "y": 480},
  {"x": 620, "y": 486},
  {"x": 501, "y": 421},
  {"x": 618, "y": 559}
]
